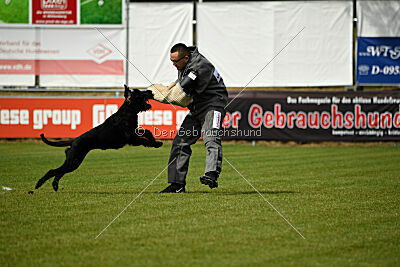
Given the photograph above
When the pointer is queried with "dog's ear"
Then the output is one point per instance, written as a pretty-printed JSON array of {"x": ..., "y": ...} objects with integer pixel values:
[{"x": 126, "y": 93}]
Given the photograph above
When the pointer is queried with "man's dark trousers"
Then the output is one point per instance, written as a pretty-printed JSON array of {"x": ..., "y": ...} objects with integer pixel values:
[{"x": 207, "y": 124}]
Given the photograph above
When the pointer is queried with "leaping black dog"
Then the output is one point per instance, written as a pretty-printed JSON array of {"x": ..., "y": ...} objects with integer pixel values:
[{"x": 117, "y": 131}]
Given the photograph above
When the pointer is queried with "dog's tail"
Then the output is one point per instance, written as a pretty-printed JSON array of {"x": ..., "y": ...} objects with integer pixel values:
[{"x": 59, "y": 143}]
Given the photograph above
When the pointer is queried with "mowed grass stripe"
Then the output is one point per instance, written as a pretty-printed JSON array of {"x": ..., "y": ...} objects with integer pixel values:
[{"x": 344, "y": 199}]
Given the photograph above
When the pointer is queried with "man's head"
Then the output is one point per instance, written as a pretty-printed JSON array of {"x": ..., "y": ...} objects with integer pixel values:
[{"x": 180, "y": 55}]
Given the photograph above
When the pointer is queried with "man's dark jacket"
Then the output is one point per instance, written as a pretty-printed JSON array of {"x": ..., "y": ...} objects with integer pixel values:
[{"x": 209, "y": 90}]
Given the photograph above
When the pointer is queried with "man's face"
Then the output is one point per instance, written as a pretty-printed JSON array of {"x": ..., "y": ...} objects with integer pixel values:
[{"x": 179, "y": 61}]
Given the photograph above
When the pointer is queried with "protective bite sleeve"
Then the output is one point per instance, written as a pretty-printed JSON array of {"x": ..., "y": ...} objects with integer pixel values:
[{"x": 173, "y": 94}]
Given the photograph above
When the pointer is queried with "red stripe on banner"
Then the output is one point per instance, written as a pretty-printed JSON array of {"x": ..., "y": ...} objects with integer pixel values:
[
  {"x": 15, "y": 66},
  {"x": 83, "y": 67},
  {"x": 70, "y": 117},
  {"x": 61, "y": 67}
]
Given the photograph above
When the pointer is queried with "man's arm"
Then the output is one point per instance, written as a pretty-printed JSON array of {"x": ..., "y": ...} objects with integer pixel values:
[
  {"x": 188, "y": 83},
  {"x": 198, "y": 78}
]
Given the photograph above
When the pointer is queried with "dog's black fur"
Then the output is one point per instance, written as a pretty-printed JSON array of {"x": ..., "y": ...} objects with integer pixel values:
[{"x": 118, "y": 130}]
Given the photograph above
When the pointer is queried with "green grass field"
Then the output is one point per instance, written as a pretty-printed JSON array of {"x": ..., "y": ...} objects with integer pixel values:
[
  {"x": 344, "y": 199},
  {"x": 14, "y": 11}
]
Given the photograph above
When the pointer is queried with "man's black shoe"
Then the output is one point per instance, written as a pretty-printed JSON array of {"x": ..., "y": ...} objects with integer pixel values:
[
  {"x": 174, "y": 188},
  {"x": 210, "y": 181}
]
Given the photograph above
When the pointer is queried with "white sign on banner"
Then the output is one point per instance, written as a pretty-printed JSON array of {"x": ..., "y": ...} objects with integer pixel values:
[
  {"x": 66, "y": 49},
  {"x": 62, "y": 57},
  {"x": 153, "y": 29},
  {"x": 17, "y": 66},
  {"x": 378, "y": 18},
  {"x": 256, "y": 42},
  {"x": 88, "y": 59}
]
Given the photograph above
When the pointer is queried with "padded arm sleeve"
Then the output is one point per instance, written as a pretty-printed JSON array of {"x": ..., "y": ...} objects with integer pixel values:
[{"x": 172, "y": 94}]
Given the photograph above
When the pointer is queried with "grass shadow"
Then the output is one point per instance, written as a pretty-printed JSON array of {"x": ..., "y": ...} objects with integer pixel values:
[
  {"x": 134, "y": 192},
  {"x": 241, "y": 193},
  {"x": 101, "y": 192}
]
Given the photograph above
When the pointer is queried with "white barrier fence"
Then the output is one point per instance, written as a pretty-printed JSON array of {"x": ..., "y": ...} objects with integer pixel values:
[{"x": 270, "y": 43}]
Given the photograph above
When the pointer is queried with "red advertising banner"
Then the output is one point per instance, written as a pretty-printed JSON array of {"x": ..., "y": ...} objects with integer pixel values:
[
  {"x": 54, "y": 12},
  {"x": 253, "y": 115},
  {"x": 70, "y": 117}
]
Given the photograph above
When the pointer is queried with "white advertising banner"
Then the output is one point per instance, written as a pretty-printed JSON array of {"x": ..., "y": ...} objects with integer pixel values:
[
  {"x": 82, "y": 57},
  {"x": 294, "y": 43},
  {"x": 153, "y": 29},
  {"x": 62, "y": 57},
  {"x": 17, "y": 67},
  {"x": 378, "y": 18}
]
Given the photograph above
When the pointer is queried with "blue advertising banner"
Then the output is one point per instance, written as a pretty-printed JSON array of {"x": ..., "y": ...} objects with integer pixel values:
[{"x": 378, "y": 60}]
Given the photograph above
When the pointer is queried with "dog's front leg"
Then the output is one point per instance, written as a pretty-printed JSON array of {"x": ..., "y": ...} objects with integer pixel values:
[
  {"x": 144, "y": 140},
  {"x": 149, "y": 136}
]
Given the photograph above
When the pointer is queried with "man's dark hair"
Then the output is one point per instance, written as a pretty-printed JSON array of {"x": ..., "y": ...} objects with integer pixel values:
[{"x": 182, "y": 49}]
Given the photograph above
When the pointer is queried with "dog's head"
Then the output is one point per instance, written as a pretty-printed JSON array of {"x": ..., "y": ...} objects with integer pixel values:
[{"x": 138, "y": 99}]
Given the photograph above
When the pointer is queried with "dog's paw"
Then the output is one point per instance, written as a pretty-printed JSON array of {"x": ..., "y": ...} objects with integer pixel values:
[
  {"x": 55, "y": 185},
  {"x": 158, "y": 144},
  {"x": 40, "y": 183}
]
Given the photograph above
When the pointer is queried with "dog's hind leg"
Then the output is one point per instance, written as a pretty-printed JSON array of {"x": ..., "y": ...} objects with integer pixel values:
[
  {"x": 54, "y": 172},
  {"x": 55, "y": 182},
  {"x": 72, "y": 162},
  {"x": 47, "y": 176},
  {"x": 71, "y": 166},
  {"x": 58, "y": 177}
]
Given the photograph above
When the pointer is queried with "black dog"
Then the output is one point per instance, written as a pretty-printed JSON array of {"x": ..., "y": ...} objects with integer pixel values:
[{"x": 118, "y": 130}]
